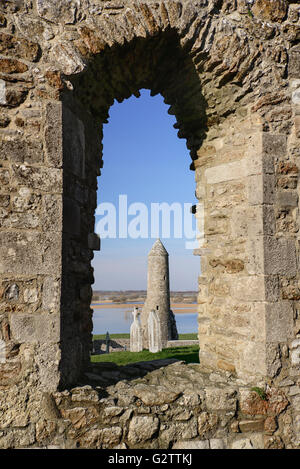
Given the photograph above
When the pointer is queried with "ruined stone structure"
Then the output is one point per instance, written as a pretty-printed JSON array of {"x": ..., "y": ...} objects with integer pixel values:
[
  {"x": 230, "y": 72},
  {"x": 158, "y": 295},
  {"x": 136, "y": 334}
]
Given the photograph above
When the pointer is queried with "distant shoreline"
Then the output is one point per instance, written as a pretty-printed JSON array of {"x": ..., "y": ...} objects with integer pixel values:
[{"x": 186, "y": 308}]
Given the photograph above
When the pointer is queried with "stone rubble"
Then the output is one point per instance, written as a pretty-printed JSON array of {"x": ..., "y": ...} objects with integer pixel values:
[{"x": 137, "y": 413}]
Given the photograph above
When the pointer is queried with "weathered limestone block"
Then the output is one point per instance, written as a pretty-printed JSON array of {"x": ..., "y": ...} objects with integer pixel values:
[
  {"x": 191, "y": 444},
  {"x": 13, "y": 66},
  {"x": 254, "y": 442},
  {"x": 45, "y": 430},
  {"x": 251, "y": 288},
  {"x": 114, "y": 411},
  {"x": 180, "y": 430},
  {"x": 221, "y": 399},
  {"x": 34, "y": 28},
  {"x": 280, "y": 257},
  {"x": 270, "y": 10},
  {"x": 24, "y": 437},
  {"x": 207, "y": 424},
  {"x": 85, "y": 394},
  {"x": 251, "y": 425},
  {"x": 30, "y": 253},
  {"x": 272, "y": 256},
  {"x": 296, "y": 92},
  {"x": 34, "y": 328},
  {"x": 111, "y": 436},
  {"x": 274, "y": 144},
  {"x": 18, "y": 47},
  {"x": 12, "y": 95},
  {"x": 294, "y": 66},
  {"x": 51, "y": 213},
  {"x": 53, "y": 11},
  {"x": 100, "y": 438},
  {"x": 287, "y": 199},
  {"x": 21, "y": 151},
  {"x": 270, "y": 425},
  {"x": 67, "y": 58},
  {"x": 53, "y": 134},
  {"x": 80, "y": 416},
  {"x": 155, "y": 395},
  {"x": 51, "y": 294},
  {"x": 189, "y": 399},
  {"x": 37, "y": 178},
  {"x": 142, "y": 428},
  {"x": 279, "y": 321},
  {"x": 295, "y": 352},
  {"x": 217, "y": 443}
]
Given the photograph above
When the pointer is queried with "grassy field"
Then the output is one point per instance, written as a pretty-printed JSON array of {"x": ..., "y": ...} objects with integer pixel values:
[
  {"x": 190, "y": 354},
  {"x": 127, "y": 336}
]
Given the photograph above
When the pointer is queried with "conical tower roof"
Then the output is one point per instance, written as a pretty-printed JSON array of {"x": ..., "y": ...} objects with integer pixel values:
[{"x": 158, "y": 249}]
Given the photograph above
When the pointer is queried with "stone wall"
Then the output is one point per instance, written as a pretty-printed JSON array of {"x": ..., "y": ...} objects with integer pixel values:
[
  {"x": 230, "y": 72},
  {"x": 119, "y": 345},
  {"x": 158, "y": 405}
]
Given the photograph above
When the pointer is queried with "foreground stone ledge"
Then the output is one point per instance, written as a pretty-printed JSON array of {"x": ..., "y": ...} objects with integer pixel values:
[{"x": 197, "y": 412}]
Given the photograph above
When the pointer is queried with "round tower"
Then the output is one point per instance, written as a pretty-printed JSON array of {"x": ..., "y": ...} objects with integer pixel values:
[{"x": 158, "y": 293}]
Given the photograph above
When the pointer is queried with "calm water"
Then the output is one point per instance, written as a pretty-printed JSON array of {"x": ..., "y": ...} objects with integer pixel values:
[{"x": 119, "y": 320}]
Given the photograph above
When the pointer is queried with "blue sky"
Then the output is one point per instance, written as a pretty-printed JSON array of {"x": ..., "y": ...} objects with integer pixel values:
[{"x": 145, "y": 160}]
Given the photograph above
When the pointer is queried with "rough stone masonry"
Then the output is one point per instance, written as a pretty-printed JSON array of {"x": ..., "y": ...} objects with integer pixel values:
[{"x": 229, "y": 70}]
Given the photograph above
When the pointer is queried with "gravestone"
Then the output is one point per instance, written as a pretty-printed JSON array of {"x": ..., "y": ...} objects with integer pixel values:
[
  {"x": 136, "y": 338},
  {"x": 154, "y": 332}
]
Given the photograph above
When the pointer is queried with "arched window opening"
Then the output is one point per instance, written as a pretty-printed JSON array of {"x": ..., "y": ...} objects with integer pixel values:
[{"x": 144, "y": 193}]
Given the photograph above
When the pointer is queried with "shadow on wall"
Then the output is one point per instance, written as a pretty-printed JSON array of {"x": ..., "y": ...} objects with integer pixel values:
[{"x": 106, "y": 374}]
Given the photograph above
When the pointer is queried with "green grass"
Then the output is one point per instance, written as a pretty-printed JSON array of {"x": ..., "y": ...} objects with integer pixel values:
[
  {"x": 127, "y": 336},
  {"x": 189, "y": 354},
  {"x": 193, "y": 336},
  {"x": 260, "y": 392},
  {"x": 112, "y": 336}
]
